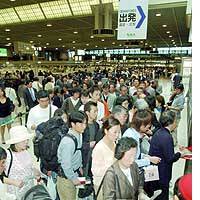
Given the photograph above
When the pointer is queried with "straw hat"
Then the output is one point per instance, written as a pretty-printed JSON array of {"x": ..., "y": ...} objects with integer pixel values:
[{"x": 18, "y": 134}]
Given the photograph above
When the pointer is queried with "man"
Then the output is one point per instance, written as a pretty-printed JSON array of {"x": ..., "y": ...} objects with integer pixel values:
[
  {"x": 30, "y": 99},
  {"x": 177, "y": 106},
  {"x": 69, "y": 157},
  {"x": 90, "y": 134},
  {"x": 72, "y": 103},
  {"x": 41, "y": 112}
]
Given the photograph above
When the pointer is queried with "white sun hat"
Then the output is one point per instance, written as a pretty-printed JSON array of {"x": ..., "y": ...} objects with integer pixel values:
[{"x": 18, "y": 134}]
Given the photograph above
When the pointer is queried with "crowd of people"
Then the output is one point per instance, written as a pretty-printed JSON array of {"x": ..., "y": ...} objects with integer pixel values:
[{"x": 107, "y": 126}]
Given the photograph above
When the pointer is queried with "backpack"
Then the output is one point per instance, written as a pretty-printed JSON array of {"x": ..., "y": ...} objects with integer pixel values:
[
  {"x": 47, "y": 140},
  {"x": 37, "y": 192}
]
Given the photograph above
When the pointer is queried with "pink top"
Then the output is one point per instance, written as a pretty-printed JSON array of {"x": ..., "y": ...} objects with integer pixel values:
[
  {"x": 21, "y": 169},
  {"x": 102, "y": 159}
]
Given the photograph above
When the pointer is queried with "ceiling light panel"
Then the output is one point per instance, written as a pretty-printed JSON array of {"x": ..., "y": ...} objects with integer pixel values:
[
  {"x": 94, "y": 2},
  {"x": 8, "y": 16},
  {"x": 56, "y": 9},
  {"x": 80, "y": 7},
  {"x": 30, "y": 12}
]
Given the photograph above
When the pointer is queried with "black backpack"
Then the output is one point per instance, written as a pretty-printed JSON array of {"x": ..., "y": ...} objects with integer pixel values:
[
  {"x": 47, "y": 140},
  {"x": 37, "y": 192}
]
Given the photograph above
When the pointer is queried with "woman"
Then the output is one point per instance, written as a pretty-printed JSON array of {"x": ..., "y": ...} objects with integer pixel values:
[
  {"x": 122, "y": 179},
  {"x": 19, "y": 160},
  {"x": 6, "y": 108},
  {"x": 123, "y": 101},
  {"x": 163, "y": 147},
  {"x": 103, "y": 153},
  {"x": 159, "y": 109},
  {"x": 141, "y": 124}
]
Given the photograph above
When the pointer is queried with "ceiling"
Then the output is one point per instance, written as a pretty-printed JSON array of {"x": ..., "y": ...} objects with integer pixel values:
[{"x": 64, "y": 28}]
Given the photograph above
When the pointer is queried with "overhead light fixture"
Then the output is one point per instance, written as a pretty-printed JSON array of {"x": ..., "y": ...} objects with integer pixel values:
[
  {"x": 63, "y": 45},
  {"x": 172, "y": 40},
  {"x": 170, "y": 36},
  {"x": 39, "y": 35},
  {"x": 74, "y": 42},
  {"x": 31, "y": 41},
  {"x": 146, "y": 43},
  {"x": 158, "y": 14},
  {"x": 141, "y": 41},
  {"x": 47, "y": 43},
  {"x": 87, "y": 44},
  {"x": 96, "y": 46},
  {"x": 45, "y": 47},
  {"x": 164, "y": 25},
  {"x": 8, "y": 38},
  {"x": 113, "y": 43},
  {"x": 175, "y": 45},
  {"x": 120, "y": 45},
  {"x": 168, "y": 32},
  {"x": 60, "y": 39},
  {"x": 102, "y": 40},
  {"x": 7, "y": 30},
  {"x": 12, "y": 0},
  {"x": 49, "y": 25},
  {"x": 92, "y": 36},
  {"x": 150, "y": 46},
  {"x": 75, "y": 32},
  {"x": 105, "y": 48},
  {"x": 74, "y": 47},
  {"x": 127, "y": 47},
  {"x": 56, "y": 48}
]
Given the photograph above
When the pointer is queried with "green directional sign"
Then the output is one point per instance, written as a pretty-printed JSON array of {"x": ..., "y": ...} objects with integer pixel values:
[{"x": 3, "y": 52}]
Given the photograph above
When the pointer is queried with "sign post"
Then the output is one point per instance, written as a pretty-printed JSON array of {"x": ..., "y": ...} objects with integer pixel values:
[{"x": 132, "y": 19}]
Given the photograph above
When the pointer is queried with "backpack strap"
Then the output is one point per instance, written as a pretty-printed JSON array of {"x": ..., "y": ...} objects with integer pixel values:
[{"x": 75, "y": 141}]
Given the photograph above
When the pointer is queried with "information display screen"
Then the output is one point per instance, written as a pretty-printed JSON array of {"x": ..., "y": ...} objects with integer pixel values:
[{"x": 3, "y": 52}]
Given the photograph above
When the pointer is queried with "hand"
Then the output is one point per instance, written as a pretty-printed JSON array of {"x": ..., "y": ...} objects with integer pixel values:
[
  {"x": 143, "y": 196},
  {"x": 18, "y": 183},
  {"x": 76, "y": 182},
  {"x": 154, "y": 159},
  {"x": 33, "y": 127},
  {"x": 92, "y": 144}
]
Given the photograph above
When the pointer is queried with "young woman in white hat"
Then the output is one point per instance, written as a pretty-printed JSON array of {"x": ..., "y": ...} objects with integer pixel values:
[{"x": 19, "y": 160}]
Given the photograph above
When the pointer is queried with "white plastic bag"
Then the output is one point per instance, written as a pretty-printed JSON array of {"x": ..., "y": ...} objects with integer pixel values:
[{"x": 51, "y": 186}]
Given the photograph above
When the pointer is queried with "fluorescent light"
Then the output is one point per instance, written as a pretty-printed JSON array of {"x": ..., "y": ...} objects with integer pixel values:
[
  {"x": 74, "y": 47},
  {"x": 87, "y": 44},
  {"x": 113, "y": 43},
  {"x": 164, "y": 25},
  {"x": 47, "y": 43},
  {"x": 45, "y": 47},
  {"x": 170, "y": 36},
  {"x": 63, "y": 45},
  {"x": 8, "y": 16},
  {"x": 7, "y": 38},
  {"x": 96, "y": 46},
  {"x": 92, "y": 36},
  {"x": 74, "y": 42},
  {"x": 75, "y": 32},
  {"x": 7, "y": 30},
  {"x": 31, "y": 41},
  {"x": 60, "y": 39},
  {"x": 158, "y": 14},
  {"x": 120, "y": 45},
  {"x": 39, "y": 35},
  {"x": 56, "y": 48},
  {"x": 102, "y": 40},
  {"x": 168, "y": 32},
  {"x": 49, "y": 25},
  {"x": 172, "y": 40},
  {"x": 12, "y": 0}
]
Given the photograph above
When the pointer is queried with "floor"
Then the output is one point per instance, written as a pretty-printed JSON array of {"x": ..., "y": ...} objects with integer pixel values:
[{"x": 178, "y": 167}]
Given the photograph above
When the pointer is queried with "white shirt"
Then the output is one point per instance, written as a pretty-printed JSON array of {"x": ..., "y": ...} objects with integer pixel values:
[
  {"x": 127, "y": 173},
  {"x": 37, "y": 115},
  {"x": 37, "y": 85},
  {"x": 74, "y": 102},
  {"x": 10, "y": 92}
]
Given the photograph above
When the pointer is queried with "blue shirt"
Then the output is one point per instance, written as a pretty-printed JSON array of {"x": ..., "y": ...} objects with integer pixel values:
[
  {"x": 143, "y": 161},
  {"x": 70, "y": 160},
  {"x": 178, "y": 102}
]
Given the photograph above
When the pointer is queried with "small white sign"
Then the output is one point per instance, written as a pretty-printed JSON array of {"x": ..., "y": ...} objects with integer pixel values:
[{"x": 132, "y": 19}]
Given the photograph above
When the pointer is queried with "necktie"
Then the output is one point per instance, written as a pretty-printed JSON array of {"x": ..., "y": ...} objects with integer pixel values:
[{"x": 32, "y": 94}]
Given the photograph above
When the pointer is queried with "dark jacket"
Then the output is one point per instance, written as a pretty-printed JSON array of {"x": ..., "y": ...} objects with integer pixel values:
[
  {"x": 117, "y": 186},
  {"x": 28, "y": 99},
  {"x": 162, "y": 146},
  {"x": 86, "y": 146},
  {"x": 68, "y": 106}
]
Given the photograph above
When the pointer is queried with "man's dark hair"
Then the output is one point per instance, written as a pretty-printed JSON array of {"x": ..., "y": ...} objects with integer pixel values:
[
  {"x": 94, "y": 88},
  {"x": 42, "y": 94},
  {"x": 167, "y": 118},
  {"x": 124, "y": 145},
  {"x": 77, "y": 116},
  {"x": 85, "y": 93},
  {"x": 88, "y": 106}
]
